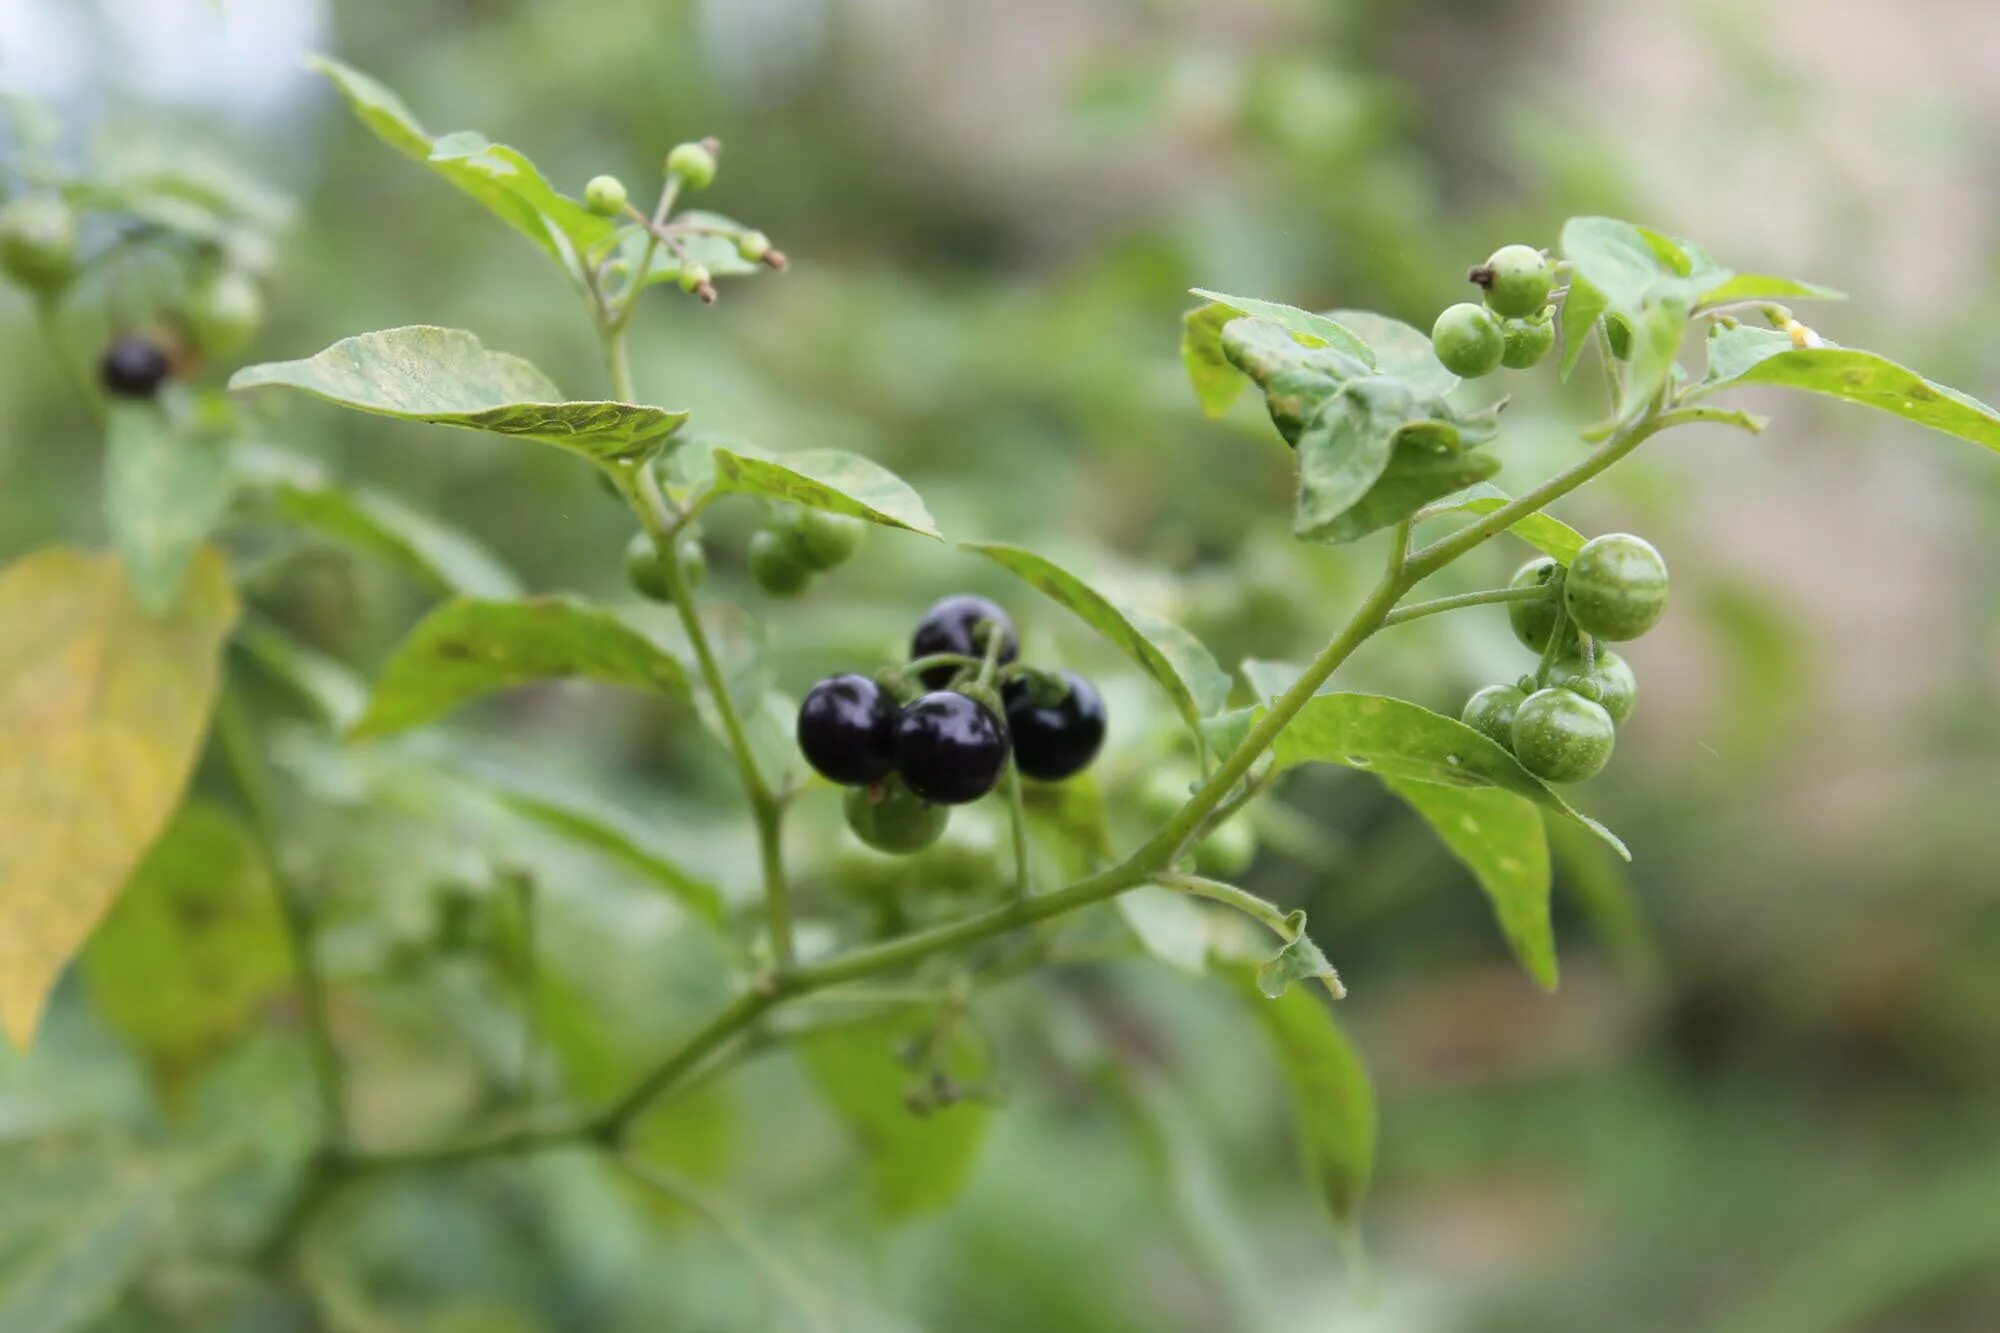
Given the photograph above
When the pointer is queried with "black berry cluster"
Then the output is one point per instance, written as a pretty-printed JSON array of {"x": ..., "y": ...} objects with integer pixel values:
[{"x": 941, "y": 730}]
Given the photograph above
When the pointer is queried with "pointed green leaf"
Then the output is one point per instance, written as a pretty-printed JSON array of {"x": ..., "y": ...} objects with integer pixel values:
[
  {"x": 79, "y": 1217},
  {"x": 166, "y": 485},
  {"x": 1308, "y": 328},
  {"x": 1617, "y": 260},
  {"x": 1217, "y": 383},
  {"x": 1581, "y": 309},
  {"x": 1549, "y": 535},
  {"x": 1298, "y": 959},
  {"x": 1744, "y": 355},
  {"x": 1499, "y": 837},
  {"x": 423, "y": 373},
  {"x": 369, "y": 521},
  {"x": 829, "y": 479},
  {"x": 1174, "y": 658},
  {"x": 1765, "y": 287},
  {"x": 469, "y": 648},
  {"x": 1400, "y": 351}
]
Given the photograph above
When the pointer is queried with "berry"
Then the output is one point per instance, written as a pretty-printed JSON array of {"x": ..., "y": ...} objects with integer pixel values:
[
  {"x": 1491, "y": 711},
  {"x": 642, "y": 566},
  {"x": 222, "y": 313},
  {"x": 891, "y": 818},
  {"x": 38, "y": 241},
  {"x": 1468, "y": 340},
  {"x": 1517, "y": 281},
  {"x": 847, "y": 730},
  {"x": 819, "y": 540},
  {"x": 1056, "y": 740},
  {"x": 1611, "y": 683},
  {"x": 1534, "y": 621},
  {"x": 950, "y": 748},
  {"x": 694, "y": 163},
  {"x": 1617, "y": 587},
  {"x": 605, "y": 196},
  {"x": 1526, "y": 342},
  {"x": 1165, "y": 792},
  {"x": 1228, "y": 851},
  {"x": 773, "y": 567},
  {"x": 132, "y": 366},
  {"x": 951, "y": 626},
  {"x": 753, "y": 246},
  {"x": 1560, "y": 736},
  {"x": 693, "y": 278}
]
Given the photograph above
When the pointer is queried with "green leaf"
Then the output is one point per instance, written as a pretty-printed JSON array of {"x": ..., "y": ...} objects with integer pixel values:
[
  {"x": 1217, "y": 382},
  {"x": 1581, "y": 309},
  {"x": 504, "y": 182},
  {"x": 1551, "y": 536},
  {"x": 1174, "y": 658},
  {"x": 1400, "y": 351},
  {"x": 916, "y": 1163},
  {"x": 468, "y": 648},
  {"x": 78, "y": 1219},
  {"x": 1419, "y": 472},
  {"x": 1304, "y": 326},
  {"x": 443, "y": 558},
  {"x": 166, "y": 484},
  {"x": 1499, "y": 837},
  {"x": 1597, "y": 882},
  {"x": 1617, "y": 260},
  {"x": 1072, "y": 815},
  {"x": 1298, "y": 959},
  {"x": 1333, "y": 1100},
  {"x": 616, "y": 836},
  {"x": 1172, "y": 927},
  {"x": 195, "y": 944},
  {"x": 103, "y": 707},
  {"x": 332, "y": 690},
  {"x": 445, "y": 376},
  {"x": 828, "y": 479},
  {"x": 1343, "y": 451},
  {"x": 1744, "y": 355},
  {"x": 1765, "y": 287},
  {"x": 1398, "y": 740},
  {"x": 1658, "y": 327}
]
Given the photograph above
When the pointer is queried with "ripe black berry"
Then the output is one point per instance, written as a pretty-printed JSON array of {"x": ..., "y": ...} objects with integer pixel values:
[
  {"x": 949, "y": 748},
  {"x": 847, "y": 730},
  {"x": 1058, "y": 740},
  {"x": 132, "y": 366},
  {"x": 948, "y": 627}
]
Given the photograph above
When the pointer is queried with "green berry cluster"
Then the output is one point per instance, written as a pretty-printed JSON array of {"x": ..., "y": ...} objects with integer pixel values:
[
  {"x": 1515, "y": 325},
  {"x": 797, "y": 543},
  {"x": 1561, "y": 722}
]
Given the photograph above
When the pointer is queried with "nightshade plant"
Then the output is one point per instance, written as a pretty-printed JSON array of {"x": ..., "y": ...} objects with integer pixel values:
[{"x": 1391, "y": 449}]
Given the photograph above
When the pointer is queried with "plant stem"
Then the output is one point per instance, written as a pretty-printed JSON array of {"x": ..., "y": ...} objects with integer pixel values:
[
  {"x": 727, "y": 1021},
  {"x": 1230, "y": 896},
  {"x": 1402, "y": 615},
  {"x": 1017, "y": 814}
]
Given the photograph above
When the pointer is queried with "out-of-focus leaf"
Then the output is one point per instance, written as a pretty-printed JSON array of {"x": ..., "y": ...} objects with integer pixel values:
[
  {"x": 1766, "y": 287},
  {"x": 1418, "y": 473},
  {"x": 470, "y": 647},
  {"x": 1547, "y": 534},
  {"x": 1174, "y": 658},
  {"x": 446, "y": 376},
  {"x": 1072, "y": 815},
  {"x": 166, "y": 483},
  {"x": 1743, "y": 355},
  {"x": 1400, "y": 351},
  {"x": 195, "y": 943},
  {"x": 1499, "y": 837},
  {"x": 78, "y": 1219},
  {"x": 1596, "y": 881},
  {"x": 829, "y": 479},
  {"x": 1649, "y": 279},
  {"x": 103, "y": 707},
  {"x": 1308, "y": 328},
  {"x": 714, "y": 252},
  {"x": 1217, "y": 383},
  {"x": 1173, "y": 927},
  {"x": 1581, "y": 309},
  {"x": 445, "y": 559},
  {"x": 334, "y": 692},
  {"x": 916, "y": 1163}
]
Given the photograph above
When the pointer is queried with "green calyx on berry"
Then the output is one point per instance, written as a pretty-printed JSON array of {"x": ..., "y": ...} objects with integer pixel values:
[
  {"x": 891, "y": 818},
  {"x": 694, "y": 163},
  {"x": 1560, "y": 736},
  {"x": 1526, "y": 341},
  {"x": 1534, "y": 621},
  {"x": 222, "y": 313},
  {"x": 1608, "y": 681},
  {"x": 1517, "y": 281},
  {"x": 1468, "y": 340},
  {"x": 605, "y": 196},
  {"x": 38, "y": 242},
  {"x": 819, "y": 540},
  {"x": 773, "y": 566},
  {"x": 1490, "y": 712},
  {"x": 1616, "y": 587},
  {"x": 644, "y": 572}
]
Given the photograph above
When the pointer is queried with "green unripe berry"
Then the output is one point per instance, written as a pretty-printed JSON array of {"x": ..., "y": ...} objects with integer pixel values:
[
  {"x": 649, "y": 580},
  {"x": 38, "y": 242},
  {"x": 819, "y": 540},
  {"x": 1164, "y": 793},
  {"x": 1468, "y": 340},
  {"x": 693, "y": 277},
  {"x": 1560, "y": 736},
  {"x": 1526, "y": 342},
  {"x": 891, "y": 818},
  {"x": 693, "y": 163},
  {"x": 773, "y": 566},
  {"x": 1534, "y": 621},
  {"x": 605, "y": 196},
  {"x": 222, "y": 314},
  {"x": 1490, "y": 712},
  {"x": 753, "y": 245},
  {"x": 1228, "y": 851},
  {"x": 1517, "y": 281},
  {"x": 1617, "y": 587},
  {"x": 1609, "y": 683}
]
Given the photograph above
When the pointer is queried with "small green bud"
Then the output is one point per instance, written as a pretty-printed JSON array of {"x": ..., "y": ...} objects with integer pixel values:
[
  {"x": 605, "y": 196},
  {"x": 222, "y": 314},
  {"x": 753, "y": 245},
  {"x": 694, "y": 163},
  {"x": 693, "y": 278},
  {"x": 649, "y": 580}
]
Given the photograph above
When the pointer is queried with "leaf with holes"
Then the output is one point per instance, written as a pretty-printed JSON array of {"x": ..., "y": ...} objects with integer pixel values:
[{"x": 828, "y": 479}]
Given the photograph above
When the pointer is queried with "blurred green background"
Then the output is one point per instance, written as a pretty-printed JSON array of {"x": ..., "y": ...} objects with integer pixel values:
[{"x": 1772, "y": 1102}]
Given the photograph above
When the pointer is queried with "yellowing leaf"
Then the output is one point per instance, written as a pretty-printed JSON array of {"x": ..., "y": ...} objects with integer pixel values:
[{"x": 103, "y": 709}]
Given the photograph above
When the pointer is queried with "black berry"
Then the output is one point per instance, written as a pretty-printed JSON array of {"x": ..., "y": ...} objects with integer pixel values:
[
  {"x": 132, "y": 366},
  {"x": 1058, "y": 740},
  {"x": 950, "y": 748},
  {"x": 847, "y": 730},
  {"x": 949, "y": 627}
]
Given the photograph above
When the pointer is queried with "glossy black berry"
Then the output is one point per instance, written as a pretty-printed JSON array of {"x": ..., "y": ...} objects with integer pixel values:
[
  {"x": 1053, "y": 741},
  {"x": 132, "y": 366},
  {"x": 847, "y": 730},
  {"x": 948, "y": 627},
  {"x": 950, "y": 749}
]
